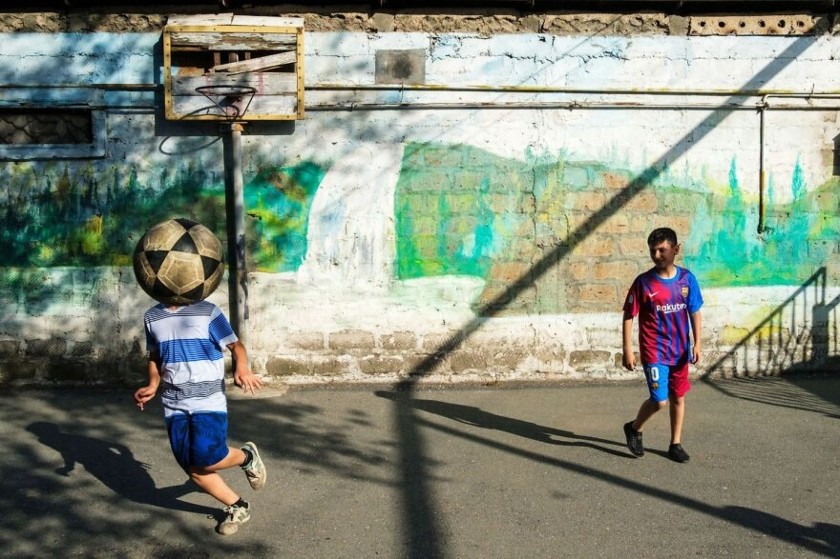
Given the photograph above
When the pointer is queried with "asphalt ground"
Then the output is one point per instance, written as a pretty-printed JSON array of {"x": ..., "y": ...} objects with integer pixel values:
[{"x": 475, "y": 472}]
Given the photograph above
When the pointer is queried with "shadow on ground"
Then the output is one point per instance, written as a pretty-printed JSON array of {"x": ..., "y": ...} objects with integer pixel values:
[
  {"x": 114, "y": 465},
  {"x": 71, "y": 482},
  {"x": 477, "y": 417}
]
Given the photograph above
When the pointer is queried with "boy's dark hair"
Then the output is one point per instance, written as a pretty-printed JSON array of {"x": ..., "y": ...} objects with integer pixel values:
[{"x": 662, "y": 234}]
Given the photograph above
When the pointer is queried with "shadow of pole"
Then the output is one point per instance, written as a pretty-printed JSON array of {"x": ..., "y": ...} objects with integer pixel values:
[
  {"x": 822, "y": 538},
  {"x": 419, "y": 519}
]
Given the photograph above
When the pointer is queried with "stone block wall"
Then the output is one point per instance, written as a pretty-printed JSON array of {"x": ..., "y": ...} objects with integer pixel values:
[{"x": 756, "y": 21}]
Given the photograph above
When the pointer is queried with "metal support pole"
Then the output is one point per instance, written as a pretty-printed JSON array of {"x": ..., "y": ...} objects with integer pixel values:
[{"x": 235, "y": 206}]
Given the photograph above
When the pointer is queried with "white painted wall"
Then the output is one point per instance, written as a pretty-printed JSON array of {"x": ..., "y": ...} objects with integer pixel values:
[{"x": 347, "y": 281}]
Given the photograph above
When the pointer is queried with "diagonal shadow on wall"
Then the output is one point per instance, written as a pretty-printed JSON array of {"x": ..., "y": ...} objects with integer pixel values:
[
  {"x": 419, "y": 515},
  {"x": 798, "y": 336}
]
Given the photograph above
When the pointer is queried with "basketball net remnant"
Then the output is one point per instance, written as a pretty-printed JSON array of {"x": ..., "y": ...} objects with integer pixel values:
[{"x": 232, "y": 101}]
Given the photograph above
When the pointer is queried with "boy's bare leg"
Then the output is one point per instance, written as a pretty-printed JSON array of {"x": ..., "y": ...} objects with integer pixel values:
[
  {"x": 212, "y": 483},
  {"x": 646, "y": 411},
  {"x": 235, "y": 457},
  {"x": 677, "y": 412}
]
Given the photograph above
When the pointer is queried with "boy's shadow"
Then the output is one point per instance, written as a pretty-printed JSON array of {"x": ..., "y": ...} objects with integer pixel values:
[
  {"x": 114, "y": 465},
  {"x": 476, "y": 416}
]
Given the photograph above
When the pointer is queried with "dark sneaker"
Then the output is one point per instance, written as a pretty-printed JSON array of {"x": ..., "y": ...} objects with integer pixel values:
[
  {"x": 634, "y": 439},
  {"x": 255, "y": 469},
  {"x": 234, "y": 518},
  {"x": 677, "y": 454}
]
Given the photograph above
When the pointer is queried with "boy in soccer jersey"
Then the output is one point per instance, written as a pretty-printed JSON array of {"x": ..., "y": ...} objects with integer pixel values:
[
  {"x": 186, "y": 361},
  {"x": 667, "y": 300}
]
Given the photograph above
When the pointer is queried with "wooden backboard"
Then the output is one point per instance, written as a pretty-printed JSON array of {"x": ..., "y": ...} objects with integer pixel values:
[{"x": 224, "y": 67}]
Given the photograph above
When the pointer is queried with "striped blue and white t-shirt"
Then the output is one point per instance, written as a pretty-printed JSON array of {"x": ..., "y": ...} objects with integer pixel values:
[{"x": 190, "y": 341}]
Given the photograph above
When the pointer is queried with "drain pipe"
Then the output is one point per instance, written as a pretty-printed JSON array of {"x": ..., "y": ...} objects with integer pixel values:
[
  {"x": 763, "y": 106},
  {"x": 762, "y": 174}
]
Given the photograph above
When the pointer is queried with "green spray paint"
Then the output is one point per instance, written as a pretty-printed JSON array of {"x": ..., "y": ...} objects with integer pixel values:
[
  {"x": 444, "y": 209},
  {"x": 731, "y": 250},
  {"x": 63, "y": 215},
  {"x": 279, "y": 200},
  {"x": 459, "y": 210},
  {"x": 438, "y": 234}
]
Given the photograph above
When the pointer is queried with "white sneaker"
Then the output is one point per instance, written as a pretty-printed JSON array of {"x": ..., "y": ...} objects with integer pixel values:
[{"x": 255, "y": 469}]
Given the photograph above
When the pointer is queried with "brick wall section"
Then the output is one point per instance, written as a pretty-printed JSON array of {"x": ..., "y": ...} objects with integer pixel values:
[
  {"x": 350, "y": 341},
  {"x": 9, "y": 349},
  {"x": 57, "y": 361},
  {"x": 592, "y": 277},
  {"x": 362, "y": 356},
  {"x": 399, "y": 341}
]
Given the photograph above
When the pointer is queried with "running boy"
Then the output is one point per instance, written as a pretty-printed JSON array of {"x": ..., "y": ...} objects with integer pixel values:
[
  {"x": 667, "y": 299},
  {"x": 186, "y": 361}
]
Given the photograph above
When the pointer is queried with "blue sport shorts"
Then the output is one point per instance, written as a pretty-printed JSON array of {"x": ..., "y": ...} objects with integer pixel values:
[
  {"x": 198, "y": 439},
  {"x": 663, "y": 380}
]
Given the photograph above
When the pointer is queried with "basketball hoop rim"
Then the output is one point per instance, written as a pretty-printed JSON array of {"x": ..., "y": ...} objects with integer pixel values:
[
  {"x": 225, "y": 91},
  {"x": 235, "y": 89}
]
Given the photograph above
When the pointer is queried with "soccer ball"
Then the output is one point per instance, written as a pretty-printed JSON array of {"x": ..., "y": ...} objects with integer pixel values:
[{"x": 179, "y": 262}]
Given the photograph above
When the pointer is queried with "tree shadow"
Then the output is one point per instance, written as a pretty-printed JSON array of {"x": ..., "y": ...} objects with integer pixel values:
[
  {"x": 74, "y": 482},
  {"x": 471, "y": 415},
  {"x": 300, "y": 434},
  {"x": 114, "y": 465}
]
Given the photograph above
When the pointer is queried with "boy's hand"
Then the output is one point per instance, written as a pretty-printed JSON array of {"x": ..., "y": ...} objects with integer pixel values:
[
  {"x": 695, "y": 354},
  {"x": 629, "y": 359},
  {"x": 143, "y": 395},
  {"x": 247, "y": 380}
]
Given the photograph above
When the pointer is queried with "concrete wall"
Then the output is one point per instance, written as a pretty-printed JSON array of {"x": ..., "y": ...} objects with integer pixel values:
[{"x": 489, "y": 235}]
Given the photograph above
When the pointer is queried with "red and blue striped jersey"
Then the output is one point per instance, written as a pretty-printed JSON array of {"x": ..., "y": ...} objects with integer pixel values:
[{"x": 664, "y": 307}]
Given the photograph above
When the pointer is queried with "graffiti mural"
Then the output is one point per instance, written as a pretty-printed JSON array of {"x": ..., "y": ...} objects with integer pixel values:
[
  {"x": 463, "y": 211},
  {"x": 62, "y": 215},
  {"x": 725, "y": 249},
  {"x": 458, "y": 211},
  {"x": 278, "y": 200}
]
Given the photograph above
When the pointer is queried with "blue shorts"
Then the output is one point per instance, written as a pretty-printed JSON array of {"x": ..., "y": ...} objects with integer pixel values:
[
  {"x": 664, "y": 380},
  {"x": 199, "y": 439}
]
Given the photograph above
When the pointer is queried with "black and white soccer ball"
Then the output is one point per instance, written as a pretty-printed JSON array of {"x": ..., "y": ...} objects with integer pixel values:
[{"x": 179, "y": 262}]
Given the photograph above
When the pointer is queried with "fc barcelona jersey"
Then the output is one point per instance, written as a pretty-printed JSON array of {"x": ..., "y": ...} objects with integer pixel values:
[{"x": 663, "y": 307}]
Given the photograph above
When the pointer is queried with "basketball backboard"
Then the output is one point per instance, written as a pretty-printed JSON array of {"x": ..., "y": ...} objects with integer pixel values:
[{"x": 226, "y": 67}]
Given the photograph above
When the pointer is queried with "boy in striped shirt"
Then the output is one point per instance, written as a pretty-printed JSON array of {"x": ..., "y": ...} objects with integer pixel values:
[
  {"x": 667, "y": 300},
  {"x": 186, "y": 361}
]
